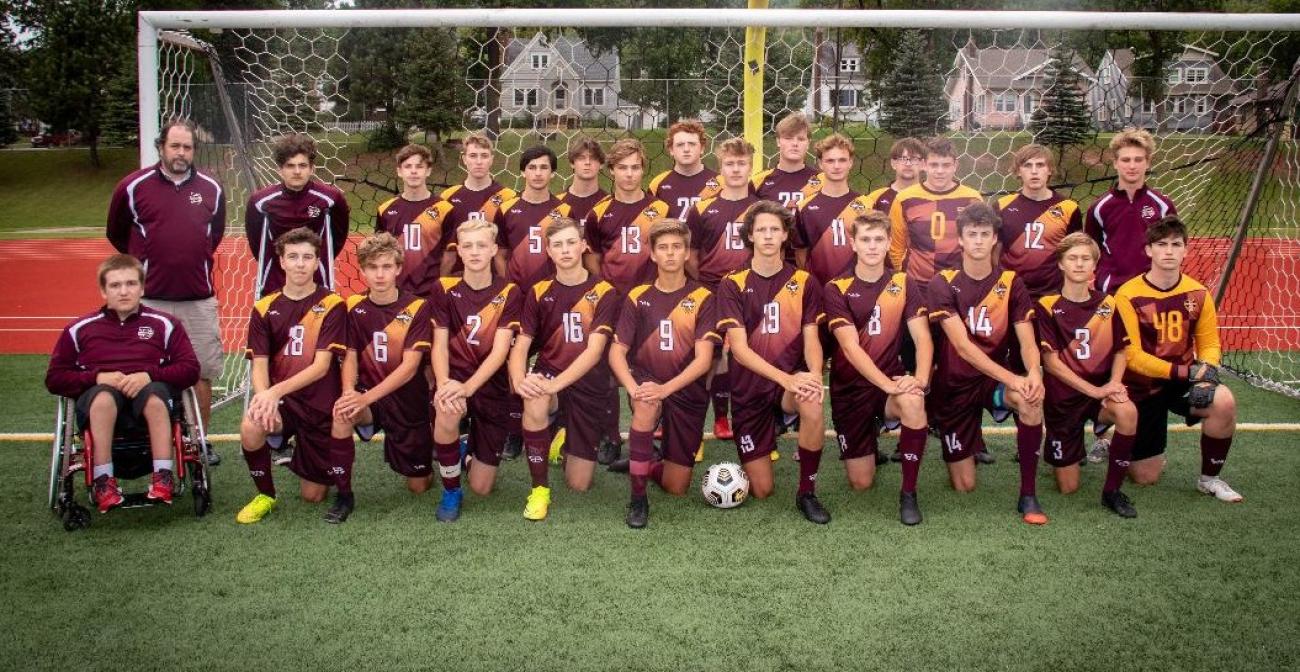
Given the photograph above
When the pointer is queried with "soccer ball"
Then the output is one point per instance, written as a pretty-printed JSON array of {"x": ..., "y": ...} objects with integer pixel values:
[{"x": 725, "y": 485}]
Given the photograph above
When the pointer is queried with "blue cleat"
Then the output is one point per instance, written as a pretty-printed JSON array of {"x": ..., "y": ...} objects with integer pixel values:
[{"x": 449, "y": 507}]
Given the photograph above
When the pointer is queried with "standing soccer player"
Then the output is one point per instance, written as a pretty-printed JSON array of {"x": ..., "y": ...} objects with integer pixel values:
[
  {"x": 792, "y": 180},
  {"x": 906, "y": 156},
  {"x": 1034, "y": 221},
  {"x": 566, "y": 322},
  {"x": 1173, "y": 354},
  {"x": 983, "y": 309},
  {"x": 478, "y": 197},
  {"x": 1082, "y": 338},
  {"x": 1119, "y": 220},
  {"x": 416, "y": 217},
  {"x": 689, "y": 181},
  {"x": 584, "y": 192},
  {"x": 867, "y": 309},
  {"x": 923, "y": 237},
  {"x": 295, "y": 337},
  {"x": 521, "y": 222},
  {"x": 298, "y": 200},
  {"x": 770, "y": 312},
  {"x": 821, "y": 241},
  {"x": 662, "y": 348}
]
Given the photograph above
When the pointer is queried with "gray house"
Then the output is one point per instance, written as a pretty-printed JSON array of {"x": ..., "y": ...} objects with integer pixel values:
[
  {"x": 998, "y": 88},
  {"x": 839, "y": 84},
  {"x": 559, "y": 83},
  {"x": 1198, "y": 95}
]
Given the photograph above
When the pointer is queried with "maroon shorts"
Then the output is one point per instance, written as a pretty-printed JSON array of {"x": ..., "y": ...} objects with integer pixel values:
[
  {"x": 1064, "y": 420},
  {"x": 957, "y": 410},
  {"x": 408, "y": 449},
  {"x": 857, "y": 413},
  {"x": 492, "y": 418},
  {"x": 310, "y": 430},
  {"x": 581, "y": 413},
  {"x": 754, "y": 420},
  {"x": 683, "y": 423}
]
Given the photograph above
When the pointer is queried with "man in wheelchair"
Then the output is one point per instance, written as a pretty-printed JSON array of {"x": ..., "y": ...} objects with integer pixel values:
[{"x": 124, "y": 364}]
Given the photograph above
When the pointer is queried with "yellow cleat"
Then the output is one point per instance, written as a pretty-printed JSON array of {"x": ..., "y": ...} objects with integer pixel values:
[
  {"x": 255, "y": 510},
  {"x": 775, "y": 456},
  {"x": 539, "y": 501},
  {"x": 556, "y": 444},
  {"x": 699, "y": 454}
]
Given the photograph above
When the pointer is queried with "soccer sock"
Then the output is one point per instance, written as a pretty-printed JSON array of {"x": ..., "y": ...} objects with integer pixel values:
[
  {"x": 640, "y": 452},
  {"x": 104, "y": 470},
  {"x": 721, "y": 391},
  {"x": 809, "y": 461},
  {"x": 259, "y": 467},
  {"x": 911, "y": 443},
  {"x": 1214, "y": 452},
  {"x": 342, "y": 454},
  {"x": 1028, "y": 440},
  {"x": 448, "y": 464},
  {"x": 160, "y": 465},
  {"x": 1121, "y": 449},
  {"x": 536, "y": 446}
]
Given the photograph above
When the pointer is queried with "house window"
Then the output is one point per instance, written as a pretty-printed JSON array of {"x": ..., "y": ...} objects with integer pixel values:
[
  {"x": 1198, "y": 75},
  {"x": 981, "y": 104},
  {"x": 1175, "y": 76},
  {"x": 593, "y": 97},
  {"x": 1148, "y": 107},
  {"x": 1104, "y": 76},
  {"x": 561, "y": 98},
  {"x": 1202, "y": 106},
  {"x": 1180, "y": 106},
  {"x": 540, "y": 61},
  {"x": 1004, "y": 102},
  {"x": 850, "y": 64},
  {"x": 525, "y": 97},
  {"x": 1031, "y": 103},
  {"x": 847, "y": 98}
]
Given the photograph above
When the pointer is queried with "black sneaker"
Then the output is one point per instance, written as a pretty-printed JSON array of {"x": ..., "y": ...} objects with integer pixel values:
[
  {"x": 985, "y": 457},
  {"x": 608, "y": 451},
  {"x": 881, "y": 458},
  {"x": 1119, "y": 503},
  {"x": 513, "y": 447},
  {"x": 340, "y": 509},
  {"x": 638, "y": 512},
  {"x": 896, "y": 456},
  {"x": 621, "y": 465},
  {"x": 909, "y": 512},
  {"x": 812, "y": 509}
]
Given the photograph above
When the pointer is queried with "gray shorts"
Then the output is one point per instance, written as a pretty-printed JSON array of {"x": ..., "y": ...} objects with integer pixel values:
[{"x": 200, "y": 321}]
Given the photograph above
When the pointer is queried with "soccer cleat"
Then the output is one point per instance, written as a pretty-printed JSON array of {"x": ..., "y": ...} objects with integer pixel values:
[
  {"x": 896, "y": 456},
  {"x": 557, "y": 445},
  {"x": 282, "y": 456},
  {"x": 340, "y": 509},
  {"x": 1030, "y": 511},
  {"x": 699, "y": 453},
  {"x": 365, "y": 432},
  {"x": 107, "y": 494},
  {"x": 1218, "y": 487},
  {"x": 1100, "y": 448},
  {"x": 722, "y": 429},
  {"x": 255, "y": 510},
  {"x": 777, "y": 455},
  {"x": 638, "y": 512},
  {"x": 881, "y": 458},
  {"x": 160, "y": 487},
  {"x": 909, "y": 512},
  {"x": 812, "y": 509},
  {"x": 539, "y": 502},
  {"x": 449, "y": 507},
  {"x": 1119, "y": 503},
  {"x": 608, "y": 451},
  {"x": 513, "y": 447},
  {"x": 620, "y": 466},
  {"x": 985, "y": 457}
]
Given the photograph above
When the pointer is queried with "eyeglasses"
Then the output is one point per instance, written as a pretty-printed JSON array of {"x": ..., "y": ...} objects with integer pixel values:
[{"x": 910, "y": 160}]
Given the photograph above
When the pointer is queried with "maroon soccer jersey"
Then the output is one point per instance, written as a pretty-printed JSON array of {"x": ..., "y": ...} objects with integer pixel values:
[
  {"x": 147, "y": 340},
  {"x": 561, "y": 318},
  {"x": 822, "y": 226},
  {"x": 879, "y": 312},
  {"x": 773, "y": 312},
  {"x": 882, "y": 199},
  {"x": 521, "y": 230},
  {"x": 1119, "y": 224},
  {"x": 787, "y": 188},
  {"x": 420, "y": 227},
  {"x": 381, "y": 335},
  {"x": 579, "y": 206},
  {"x": 620, "y": 233},
  {"x": 1030, "y": 233},
  {"x": 290, "y": 332},
  {"x": 660, "y": 329},
  {"x": 467, "y": 204},
  {"x": 276, "y": 210},
  {"x": 989, "y": 308},
  {"x": 1085, "y": 335},
  {"x": 472, "y": 318},
  {"x": 681, "y": 193},
  {"x": 923, "y": 229},
  {"x": 715, "y": 237}
]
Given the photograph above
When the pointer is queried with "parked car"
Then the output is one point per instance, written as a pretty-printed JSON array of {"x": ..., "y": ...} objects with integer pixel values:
[{"x": 64, "y": 139}]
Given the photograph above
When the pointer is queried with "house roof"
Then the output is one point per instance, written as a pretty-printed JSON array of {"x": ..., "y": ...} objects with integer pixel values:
[
  {"x": 586, "y": 64},
  {"x": 1217, "y": 83},
  {"x": 1001, "y": 68}
]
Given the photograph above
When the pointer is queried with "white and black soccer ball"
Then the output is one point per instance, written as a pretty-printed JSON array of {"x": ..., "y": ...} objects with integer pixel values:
[{"x": 725, "y": 485}]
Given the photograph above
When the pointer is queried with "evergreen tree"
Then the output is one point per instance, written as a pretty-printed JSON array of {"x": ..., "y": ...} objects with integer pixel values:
[
  {"x": 912, "y": 101},
  {"x": 434, "y": 95},
  {"x": 1062, "y": 117}
]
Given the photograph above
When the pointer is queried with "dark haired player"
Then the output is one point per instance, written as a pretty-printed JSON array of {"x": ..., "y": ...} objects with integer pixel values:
[
  {"x": 923, "y": 238},
  {"x": 586, "y": 159},
  {"x": 906, "y": 156},
  {"x": 521, "y": 222}
]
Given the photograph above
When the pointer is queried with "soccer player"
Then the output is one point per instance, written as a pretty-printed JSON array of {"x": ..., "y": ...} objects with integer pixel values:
[
  {"x": 792, "y": 179},
  {"x": 566, "y": 322},
  {"x": 906, "y": 156},
  {"x": 584, "y": 192},
  {"x": 478, "y": 197},
  {"x": 299, "y": 200},
  {"x": 1082, "y": 338},
  {"x": 522, "y": 221},
  {"x": 474, "y": 317},
  {"x": 416, "y": 217},
  {"x": 124, "y": 364},
  {"x": 662, "y": 348},
  {"x": 1173, "y": 359},
  {"x": 295, "y": 338},
  {"x": 1118, "y": 221},
  {"x": 923, "y": 237},
  {"x": 389, "y": 334},
  {"x": 1034, "y": 221},
  {"x": 982, "y": 310},
  {"x": 867, "y": 309},
  {"x": 689, "y": 181},
  {"x": 821, "y": 241},
  {"x": 617, "y": 228},
  {"x": 769, "y": 311}
]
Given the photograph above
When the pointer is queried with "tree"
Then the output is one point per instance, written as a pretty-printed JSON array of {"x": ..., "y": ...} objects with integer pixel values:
[
  {"x": 434, "y": 95},
  {"x": 9, "y": 65},
  {"x": 1062, "y": 118},
  {"x": 912, "y": 101}
]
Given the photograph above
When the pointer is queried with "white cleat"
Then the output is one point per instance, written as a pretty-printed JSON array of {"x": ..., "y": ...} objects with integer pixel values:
[
  {"x": 1100, "y": 449},
  {"x": 1219, "y": 488}
]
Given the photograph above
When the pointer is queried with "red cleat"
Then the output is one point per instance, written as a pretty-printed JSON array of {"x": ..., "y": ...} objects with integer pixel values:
[
  {"x": 722, "y": 429},
  {"x": 107, "y": 494},
  {"x": 160, "y": 488}
]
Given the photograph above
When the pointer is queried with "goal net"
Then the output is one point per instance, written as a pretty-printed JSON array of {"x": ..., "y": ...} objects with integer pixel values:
[{"x": 1219, "y": 101}]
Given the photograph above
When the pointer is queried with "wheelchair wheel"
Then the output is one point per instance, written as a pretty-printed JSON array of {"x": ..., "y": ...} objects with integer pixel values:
[
  {"x": 202, "y": 501},
  {"x": 75, "y": 517}
]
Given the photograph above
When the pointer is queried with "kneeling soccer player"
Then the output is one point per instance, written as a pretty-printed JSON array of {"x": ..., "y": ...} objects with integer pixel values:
[
  {"x": 867, "y": 309},
  {"x": 1173, "y": 354},
  {"x": 982, "y": 310},
  {"x": 1082, "y": 338},
  {"x": 566, "y": 321},
  {"x": 295, "y": 337},
  {"x": 671, "y": 323},
  {"x": 769, "y": 312}
]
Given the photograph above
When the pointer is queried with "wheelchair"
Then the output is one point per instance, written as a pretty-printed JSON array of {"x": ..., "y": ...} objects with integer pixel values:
[{"x": 72, "y": 456}]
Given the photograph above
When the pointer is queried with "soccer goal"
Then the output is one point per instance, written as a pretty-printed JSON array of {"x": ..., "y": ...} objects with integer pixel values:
[{"x": 1218, "y": 90}]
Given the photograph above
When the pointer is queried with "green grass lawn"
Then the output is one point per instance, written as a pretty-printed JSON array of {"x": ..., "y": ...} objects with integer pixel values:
[{"x": 1192, "y": 584}]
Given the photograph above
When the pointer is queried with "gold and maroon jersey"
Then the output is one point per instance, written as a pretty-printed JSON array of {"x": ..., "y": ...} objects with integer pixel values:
[
  {"x": 468, "y": 204},
  {"x": 787, "y": 188},
  {"x": 879, "y": 312},
  {"x": 989, "y": 308},
  {"x": 715, "y": 237},
  {"x": 562, "y": 318},
  {"x": 1166, "y": 328},
  {"x": 620, "y": 233},
  {"x": 521, "y": 229},
  {"x": 420, "y": 227},
  {"x": 822, "y": 225},
  {"x": 882, "y": 199},
  {"x": 472, "y": 318},
  {"x": 923, "y": 229},
  {"x": 773, "y": 312},
  {"x": 1085, "y": 335},
  {"x": 579, "y": 206},
  {"x": 290, "y": 332},
  {"x": 382, "y": 335},
  {"x": 1030, "y": 232},
  {"x": 660, "y": 329},
  {"x": 681, "y": 192}
]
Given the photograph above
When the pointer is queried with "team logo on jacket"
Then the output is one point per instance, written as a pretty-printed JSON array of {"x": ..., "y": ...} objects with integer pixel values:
[
  {"x": 857, "y": 206},
  {"x": 893, "y": 288},
  {"x": 1056, "y": 211},
  {"x": 592, "y": 297},
  {"x": 318, "y": 309},
  {"x": 814, "y": 182},
  {"x": 496, "y": 199},
  {"x": 792, "y": 286},
  {"x": 498, "y": 299},
  {"x": 1000, "y": 290},
  {"x": 1104, "y": 311},
  {"x": 712, "y": 183},
  {"x": 1148, "y": 212},
  {"x": 555, "y": 215},
  {"x": 313, "y": 211},
  {"x": 650, "y": 213},
  {"x": 404, "y": 318},
  {"x": 145, "y": 333},
  {"x": 196, "y": 198},
  {"x": 688, "y": 304}
]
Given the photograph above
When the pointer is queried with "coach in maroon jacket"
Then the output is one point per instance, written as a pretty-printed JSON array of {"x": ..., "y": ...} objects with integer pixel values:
[{"x": 124, "y": 363}]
